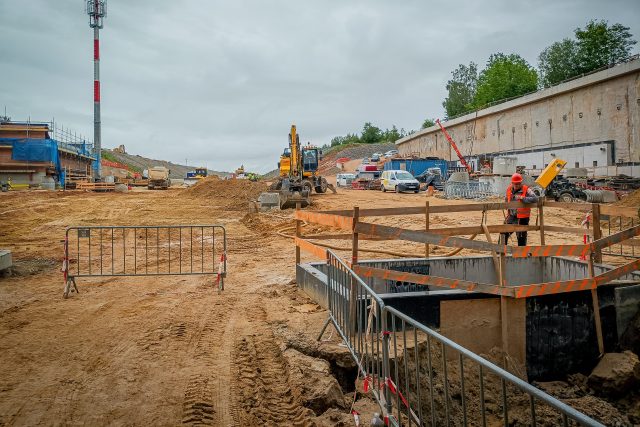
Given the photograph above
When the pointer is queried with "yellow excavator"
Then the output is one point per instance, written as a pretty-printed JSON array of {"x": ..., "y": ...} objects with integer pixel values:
[{"x": 299, "y": 175}]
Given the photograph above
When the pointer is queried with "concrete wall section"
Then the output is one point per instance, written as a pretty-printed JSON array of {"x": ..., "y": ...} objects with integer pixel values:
[{"x": 601, "y": 107}]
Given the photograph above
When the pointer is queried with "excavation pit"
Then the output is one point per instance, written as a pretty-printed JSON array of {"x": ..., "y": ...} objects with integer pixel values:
[{"x": 549, "y": 310}]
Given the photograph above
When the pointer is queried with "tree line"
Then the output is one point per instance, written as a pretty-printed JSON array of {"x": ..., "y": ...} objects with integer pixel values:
[
  {"x": 506, "y": 76},
  {"x": 371, "y": 134},
  {"x": 596, "y": 45}
]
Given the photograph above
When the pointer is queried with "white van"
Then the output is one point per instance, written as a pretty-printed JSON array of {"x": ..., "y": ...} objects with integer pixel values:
[
  {"x": 345, "y": 179},
  {"x": 398, "y": 180}
]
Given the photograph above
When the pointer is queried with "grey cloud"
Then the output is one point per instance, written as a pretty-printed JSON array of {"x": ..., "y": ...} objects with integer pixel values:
[{"x": 220, "y": 82}]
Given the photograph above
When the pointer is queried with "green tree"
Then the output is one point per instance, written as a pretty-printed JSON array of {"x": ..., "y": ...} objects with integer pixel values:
[
  {"x": 428, "y": 123},
  {"x": 600, "y": 44},
  {"x": 506, "y": 76},
  {"x": 391, "y": 135},
  {"x": 370, "y": 134},
  {"x": 558, "y": 62},
  {"x": 461, "y": 90}
]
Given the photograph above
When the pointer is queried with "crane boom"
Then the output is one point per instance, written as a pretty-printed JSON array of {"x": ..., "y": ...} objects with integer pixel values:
[{"x": 455, "y": 147}]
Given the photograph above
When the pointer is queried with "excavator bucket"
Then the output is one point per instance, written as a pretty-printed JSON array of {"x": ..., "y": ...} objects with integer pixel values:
[{"x": 290, "y": 199}]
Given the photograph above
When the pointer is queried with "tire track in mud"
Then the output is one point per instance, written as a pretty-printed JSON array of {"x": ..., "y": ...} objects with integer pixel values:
[
  {"x": 261, "y": 381},
  {"x": 206, "y": 396}
]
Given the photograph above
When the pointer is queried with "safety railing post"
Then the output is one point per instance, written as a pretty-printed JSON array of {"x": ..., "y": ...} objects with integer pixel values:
[
  {"x": 354, "y": 260},
  {"x": 386, "y": 369}
]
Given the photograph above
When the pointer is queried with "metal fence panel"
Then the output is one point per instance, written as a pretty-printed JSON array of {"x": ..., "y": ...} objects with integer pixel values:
[
  {"x": 467, "y": 190},
  {"x": 420, "y": 377},
  {"x": 163, "y": 250}
]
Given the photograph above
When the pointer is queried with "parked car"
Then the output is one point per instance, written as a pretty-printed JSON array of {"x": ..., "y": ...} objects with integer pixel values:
[
  {"x": 431, "y": 176},
  {"x": 398, "y": 181},
  {"x": 345, "y": 179},
  {"x": 365, "y": 161},
  {"x": 376, "y": 157},
  {"x": 391, "y": 153}
]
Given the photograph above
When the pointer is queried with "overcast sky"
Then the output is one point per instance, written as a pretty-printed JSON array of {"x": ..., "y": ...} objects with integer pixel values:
[{"x": 220, "y": 82}]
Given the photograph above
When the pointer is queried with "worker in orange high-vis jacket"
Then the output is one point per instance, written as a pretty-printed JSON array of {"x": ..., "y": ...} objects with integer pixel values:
[{"x": 519, "y": 192}]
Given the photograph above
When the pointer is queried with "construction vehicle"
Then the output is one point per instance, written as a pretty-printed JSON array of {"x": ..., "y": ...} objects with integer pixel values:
[
  {"x": 455, "y": 148},
  {"x": 198, "y": 173},
  {"x": 159, "y": 178},
  {"x": 192, "y": 177},
  {"x": 299, "y": 175}
]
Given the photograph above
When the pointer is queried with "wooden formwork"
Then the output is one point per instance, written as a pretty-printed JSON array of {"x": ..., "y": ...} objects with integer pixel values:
[{"x": 354, "y": 223}]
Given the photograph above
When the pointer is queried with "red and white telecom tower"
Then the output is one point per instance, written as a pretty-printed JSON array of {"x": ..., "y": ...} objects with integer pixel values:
[{"x": 97, "y": 10}]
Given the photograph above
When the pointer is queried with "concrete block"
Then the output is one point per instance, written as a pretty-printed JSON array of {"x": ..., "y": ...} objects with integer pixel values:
[
  {"x": 459, "y": 177},
  {"x": 5, "y": 259},
  {"x": 505, "y": 165}
]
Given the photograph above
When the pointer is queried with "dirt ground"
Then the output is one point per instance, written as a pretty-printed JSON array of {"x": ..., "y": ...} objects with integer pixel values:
[{"x": 171, "y": 350}]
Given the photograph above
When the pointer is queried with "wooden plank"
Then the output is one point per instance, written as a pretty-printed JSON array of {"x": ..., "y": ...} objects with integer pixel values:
[
  {"x": 558, "y": 287},
  {"x": 344, "y": 223},
  {"x": 625, "y": 212},
  {"x": 596, "y": 307},
  {"x": 570, "y": 230},
  {"x": 421, "y": 279},
  {"x": 474, "y": 229},
  {"x": 341, "y": 236},
  {"x": 309, "y": 247},
  {"x": 541, "y": 222},
  {"x": 580, "y": 207},
  {"x": 426, "y": 227},
  {"x": 597, "y": 232},
  {"x": 615, "y": 238},
  {"x": 418, "y": 210},
  {"x": 424, "y": 237},
  {"x": 549, "y": 250},
  {"x": 608, "y": 276}
]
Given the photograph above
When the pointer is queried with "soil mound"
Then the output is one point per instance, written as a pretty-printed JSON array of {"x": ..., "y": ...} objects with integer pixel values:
[
  {"x": 235, "y": 193},
  {"x": 632, "y": 200}
]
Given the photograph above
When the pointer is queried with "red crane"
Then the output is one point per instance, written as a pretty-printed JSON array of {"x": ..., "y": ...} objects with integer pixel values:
[{"x": 455, "y": 147}]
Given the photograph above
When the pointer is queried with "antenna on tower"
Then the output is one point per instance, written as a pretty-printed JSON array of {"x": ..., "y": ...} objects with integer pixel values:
[{"x": 97, "y": 11}]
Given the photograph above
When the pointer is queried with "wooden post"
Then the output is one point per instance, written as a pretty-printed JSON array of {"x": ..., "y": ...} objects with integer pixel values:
[
  {"x": 354, "y": 247},
  {"x": 426, "y": 220},
  {"x": 541, "y": 220},
  {"x": 596, "y": 308},
  {"x": 597, "y": 232},
  {"x": 502, "y": 273},
  {"x": 353, "y": 291},
  {"x": 298, "y": 234}
]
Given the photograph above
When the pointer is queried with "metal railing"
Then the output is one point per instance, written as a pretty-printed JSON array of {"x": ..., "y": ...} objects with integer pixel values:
[
  {"x": 438, "y": 382},
  {"x": 616, "y": 224},
  {"x": 162, "y": 250},
  {"x": 467, "y": 190},
  {"x": 419, "y": 377},
  {"x": 363, "y": 331}
]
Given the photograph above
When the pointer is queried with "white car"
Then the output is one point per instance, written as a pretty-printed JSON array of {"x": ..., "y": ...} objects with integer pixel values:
[
  {"x": 391, "y": 153},
  {"x": 345, "y": 179},
  {"x": 398, "y": 181}
]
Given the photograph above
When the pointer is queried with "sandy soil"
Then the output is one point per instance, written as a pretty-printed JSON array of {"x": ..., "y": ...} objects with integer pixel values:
[{"x": 170, "y": 350}]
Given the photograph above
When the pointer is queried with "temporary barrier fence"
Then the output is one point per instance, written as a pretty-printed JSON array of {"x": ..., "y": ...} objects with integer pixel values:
[
  {"x": 159, "y": 250},
  {"x": 435, "y": 381},
  {"x": 467, "y": 190},
  {"x": 408, "y": 367}
]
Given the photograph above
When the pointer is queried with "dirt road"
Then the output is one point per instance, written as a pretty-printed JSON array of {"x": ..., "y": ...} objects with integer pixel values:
[{"x": 171, "y": 350}]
